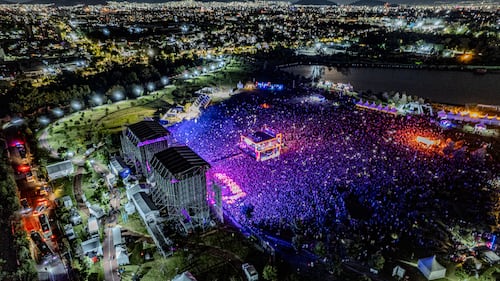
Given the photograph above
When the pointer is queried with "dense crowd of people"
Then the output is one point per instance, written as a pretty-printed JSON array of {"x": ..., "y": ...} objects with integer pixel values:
[{"x": 354, "y": 171}]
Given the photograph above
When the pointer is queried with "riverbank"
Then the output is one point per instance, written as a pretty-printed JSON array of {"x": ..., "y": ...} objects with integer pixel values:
[
  {"x": 448, "y": 87},
  {"x": 367, "y": 63}
]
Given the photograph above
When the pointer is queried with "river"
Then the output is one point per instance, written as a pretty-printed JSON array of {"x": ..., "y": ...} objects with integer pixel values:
[{"x": 454, "y": 87}]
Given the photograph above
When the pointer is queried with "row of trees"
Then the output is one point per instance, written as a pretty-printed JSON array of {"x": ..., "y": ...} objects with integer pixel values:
[
  {"x": 15, "y": 258},
  {"x": 27, "y": 99}
]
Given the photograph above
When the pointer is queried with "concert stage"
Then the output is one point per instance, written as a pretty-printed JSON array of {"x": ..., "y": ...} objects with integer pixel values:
[{"x": 263, "y": 145}]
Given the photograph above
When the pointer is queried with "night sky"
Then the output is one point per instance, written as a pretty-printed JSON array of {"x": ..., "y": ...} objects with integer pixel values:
[{"x": 429, "y": 2}]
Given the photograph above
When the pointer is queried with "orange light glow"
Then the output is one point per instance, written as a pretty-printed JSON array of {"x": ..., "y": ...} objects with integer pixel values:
[
  {"x": 465, "y": 58},
  {"x": 428, "y": 142}
]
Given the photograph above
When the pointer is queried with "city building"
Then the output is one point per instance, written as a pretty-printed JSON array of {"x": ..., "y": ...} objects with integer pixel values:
[{"x": 140, "y": 141}]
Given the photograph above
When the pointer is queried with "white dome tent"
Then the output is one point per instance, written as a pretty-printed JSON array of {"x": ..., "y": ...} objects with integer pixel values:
[
  {"x": 185, "y": 276},
  {"x": 431, "y": 269}
]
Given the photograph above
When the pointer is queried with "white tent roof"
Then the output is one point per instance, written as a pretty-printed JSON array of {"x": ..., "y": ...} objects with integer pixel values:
[
  {"x": 431, "y": 268},
  {"x": 185, "y": 276}
]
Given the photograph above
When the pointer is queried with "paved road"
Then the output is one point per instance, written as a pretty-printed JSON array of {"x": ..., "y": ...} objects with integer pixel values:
[
  {"x": 42, "y": 142},
  {"x": 77, "y": 190},
  {"x": 109, "y": 262},
  {"x": 56, "y": 270}
]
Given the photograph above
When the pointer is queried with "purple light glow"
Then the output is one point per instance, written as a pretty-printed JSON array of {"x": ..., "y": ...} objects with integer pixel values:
[
  {"x": 147, "y": 142},
  {"x": 331, "y": 153},
  {"x": 235, "y": 191}
]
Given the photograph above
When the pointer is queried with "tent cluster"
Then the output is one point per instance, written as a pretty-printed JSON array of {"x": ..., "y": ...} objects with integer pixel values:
[
  {"x": 378, "y": 107},
  {"x": 468, "y": 117}
]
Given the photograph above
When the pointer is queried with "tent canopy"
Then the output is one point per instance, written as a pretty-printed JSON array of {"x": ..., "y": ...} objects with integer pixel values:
[
  {"x": 431, "y": 269},
  {"x": 185, "y": 276}
]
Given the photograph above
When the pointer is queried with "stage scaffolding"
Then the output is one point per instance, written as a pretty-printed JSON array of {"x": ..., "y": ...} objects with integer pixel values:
[
  {"x": 180, "y": 186},
  {"x": 140, "y": 141},
  {"x": 263, "y": 145}
]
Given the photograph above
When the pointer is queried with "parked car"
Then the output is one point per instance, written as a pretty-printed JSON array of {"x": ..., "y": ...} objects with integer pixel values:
[
  {"x": 25, "y": 207},
  {"x": 250, "y": 272},
  {"x": 40, "y": 208},
  {"x": 40, "y": 243}
]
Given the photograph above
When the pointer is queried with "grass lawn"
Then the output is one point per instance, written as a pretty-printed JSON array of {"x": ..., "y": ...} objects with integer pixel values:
[
  {"x": 96, "y": 271},
  {"x": 72, "y": 131},
  {"x": 63, "y": 187},
  {"x": 210, "y": 256},
  {"x": 75, "y": 131},
  {"x": 134, "y": 223}
]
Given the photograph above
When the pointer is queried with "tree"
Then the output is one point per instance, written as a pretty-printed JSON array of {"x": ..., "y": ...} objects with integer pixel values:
[
  {"x": 319, "y": 249},
  {"x": 270, "y": 273},
  {"x": 377, "y": 261}
]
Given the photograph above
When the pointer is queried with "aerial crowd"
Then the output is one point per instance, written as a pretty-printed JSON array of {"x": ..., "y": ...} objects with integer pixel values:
[{"x": 344, "y": 171}]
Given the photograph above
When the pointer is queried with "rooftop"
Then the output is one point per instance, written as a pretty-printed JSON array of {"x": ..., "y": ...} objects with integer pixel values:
[
  {"x": 177, "y": 160},
  {"x": 145, "y": 203},
  {"x": 148, "y": 130}
]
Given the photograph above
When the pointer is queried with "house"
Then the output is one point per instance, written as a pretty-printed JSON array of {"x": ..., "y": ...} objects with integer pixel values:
[
  {"x": 121, "y": 255},
  {"x": 96, "y": 211},
  {"x": 110, "y": 179},
  {"x": 92, "y": 246},
  {"x": 93, "y": 227},
  {"x": 117, "y": 236},
  {"x": 120, "y": 251},
  {"x": 66, "y": 201},
  {"x": 60, "y": 169},
  {"x": 69, "y": 232},
  {"x": 490, "y": 257},
  {"x": 118, "y": 167},
  {"x": 145, "y": 206},
  {"x": 75, "y": 217}
]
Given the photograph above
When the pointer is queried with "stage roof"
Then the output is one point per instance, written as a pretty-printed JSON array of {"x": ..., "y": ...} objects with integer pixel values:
[
  {"x": 148, "y": 130},
  {"x": 177, "y": 160},
  {"x": 259, "y": 137}
]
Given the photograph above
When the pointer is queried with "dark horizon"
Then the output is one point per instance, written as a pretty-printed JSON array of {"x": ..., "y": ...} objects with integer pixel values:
[{"x": 341, "y": 2}]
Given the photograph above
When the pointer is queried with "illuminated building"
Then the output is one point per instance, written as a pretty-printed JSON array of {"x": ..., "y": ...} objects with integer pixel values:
[
  {"x": 179, "y": 185},
  {"x": 140, "y": 141}
]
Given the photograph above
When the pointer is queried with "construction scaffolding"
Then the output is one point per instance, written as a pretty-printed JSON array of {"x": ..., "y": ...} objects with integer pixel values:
[
  {"x": 140, "y": 141},
  {"x": 179, "y": 186}
]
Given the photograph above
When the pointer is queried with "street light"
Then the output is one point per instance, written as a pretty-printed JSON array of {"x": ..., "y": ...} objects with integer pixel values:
[
  {"x": 164, "y": 80},
  {"x": 57, "y": 112},
  {"x": 137, "y": 90},
  {"x": 97, "y": 99},
  {"x": 151, "y": 86},
  {"x": 118, "y": 95},
  {"x": 76, "y": 105},
  {"x": 44, "y": 120}
]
